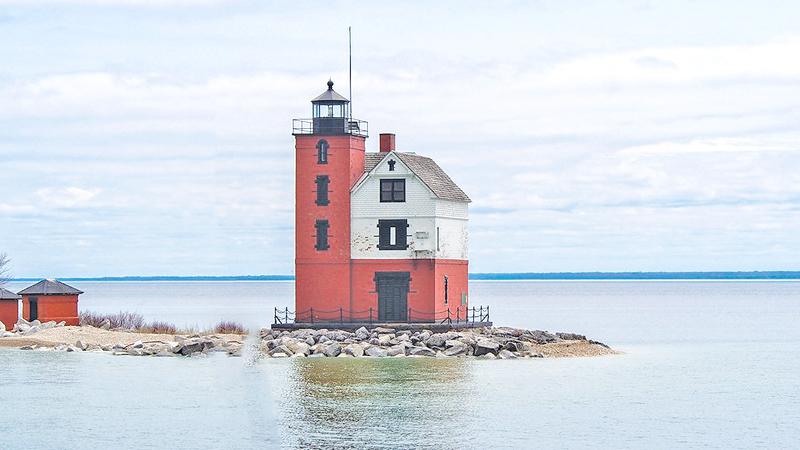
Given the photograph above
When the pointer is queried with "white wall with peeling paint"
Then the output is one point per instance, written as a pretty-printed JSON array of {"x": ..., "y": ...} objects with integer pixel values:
[{"x": 425, "y": 214}]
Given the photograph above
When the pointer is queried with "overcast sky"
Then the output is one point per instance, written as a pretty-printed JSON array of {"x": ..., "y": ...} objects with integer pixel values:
[{"x": 154, "y": 137}]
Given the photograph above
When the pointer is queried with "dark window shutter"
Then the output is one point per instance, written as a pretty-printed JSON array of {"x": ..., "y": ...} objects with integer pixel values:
[
  {"x": 322, "y": 189},
  {"x": 400, "y": 235},
  {"x": 322, "y": 234},
  {"x": 384, "y": 234}
]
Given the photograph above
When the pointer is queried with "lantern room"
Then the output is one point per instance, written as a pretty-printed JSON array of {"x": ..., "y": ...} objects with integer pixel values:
[{"x": 330, "y": 112}]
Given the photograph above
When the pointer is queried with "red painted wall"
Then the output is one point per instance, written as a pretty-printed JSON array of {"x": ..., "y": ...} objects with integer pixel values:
[
  {"x": 426, "y": 290},
  {"x": 457, "y": 272},
  {"x": 321, "y": 276},
  {"x": 9, "y": 312},
  {"x": 53, "y": 307}
]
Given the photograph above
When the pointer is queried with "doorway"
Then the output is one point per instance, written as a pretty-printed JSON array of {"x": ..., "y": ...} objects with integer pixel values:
[
  {"x": 34, "y": 309},
  {"x": 392, "y": 290}
]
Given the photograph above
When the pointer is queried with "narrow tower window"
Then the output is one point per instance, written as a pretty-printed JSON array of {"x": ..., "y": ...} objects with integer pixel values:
[
  {"x": 322, "y": 234},
  {"x": 393, "y": 191},
  {"x": 445, "y": 289},
  {"x": 322, "y": 152},
  {"x": 322, "y": 189}
]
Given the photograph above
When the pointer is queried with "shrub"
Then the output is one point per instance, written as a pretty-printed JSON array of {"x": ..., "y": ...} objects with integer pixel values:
[
  {"x": 160, "y": 327},
  {"x": 123, "y": 319},
  {"x": 229, "y": 327}
]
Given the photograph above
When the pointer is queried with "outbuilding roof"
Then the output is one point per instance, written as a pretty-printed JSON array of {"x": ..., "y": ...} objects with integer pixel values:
[
  {"x": 50, "y": 287},
  {"x": 427, "y": 170},
  {"x": 5, "y": 294}
]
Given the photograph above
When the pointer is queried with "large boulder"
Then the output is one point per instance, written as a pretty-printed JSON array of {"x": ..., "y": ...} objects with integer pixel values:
[
  {"x": 299, "y": 347},
  {"x": 514, "y": 345},
  {"x": 385, "y": 339},
  {"x": 362, "y": 333},
  {"x": 505, "y": 354},
  {"x": 332, "y": 349},
  {"x": 2, "y": 327},
  {"x": 338, "y": 335},
  {"x": 23, "y": 326},
  {"x": 396, "y": 350},
  {"x": 421, "y": 351},
  {"x": 188, "y": 346},
  {"x": 375, "y": 352},
  {"x": 439, "y": 339},
  {"x": 354, "y": 350},
  {"x": 571, "y": 336},
  {"x": 105, "y": 324},
  {"x": 458, "y": 349},
  {"x": 382, "y": 330},
  {"x": 540, "y": 337},
  {"x": 484, "y": 346}
]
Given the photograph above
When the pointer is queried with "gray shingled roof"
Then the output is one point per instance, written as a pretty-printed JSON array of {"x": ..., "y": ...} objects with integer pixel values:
[
  {"x": 427, "y": 170},
  {"x": 5, "y": 294},
  {"x": 50, "y": 287},
  {"x": 371, "y": 160}
]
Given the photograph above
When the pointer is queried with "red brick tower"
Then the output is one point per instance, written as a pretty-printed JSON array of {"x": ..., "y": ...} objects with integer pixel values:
[{"x": 329, "y": 160}]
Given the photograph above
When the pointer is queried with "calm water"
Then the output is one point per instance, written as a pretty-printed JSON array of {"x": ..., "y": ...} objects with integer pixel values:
[{"x": 707, "y": 364}]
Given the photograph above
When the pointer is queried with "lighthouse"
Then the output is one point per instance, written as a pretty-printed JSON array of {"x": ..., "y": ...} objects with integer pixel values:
[{"x": 379, "y": 237}]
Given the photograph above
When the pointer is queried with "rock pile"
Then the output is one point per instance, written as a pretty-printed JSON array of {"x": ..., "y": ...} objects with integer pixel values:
[
  {"x": 25, "y": 328},
  {"x": 487, "y": 343},
  {"x": 181, "y": 346},
  {"x": 194, "y": 345}
]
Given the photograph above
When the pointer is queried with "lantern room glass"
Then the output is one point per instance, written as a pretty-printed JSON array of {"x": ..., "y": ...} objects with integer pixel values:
[{"x": 329, "y": 110}]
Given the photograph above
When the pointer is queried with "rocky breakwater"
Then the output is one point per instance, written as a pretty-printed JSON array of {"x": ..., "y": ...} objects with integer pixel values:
[
  {"x": 484, "y": 343},
  {"x": 57, "y": 337}
]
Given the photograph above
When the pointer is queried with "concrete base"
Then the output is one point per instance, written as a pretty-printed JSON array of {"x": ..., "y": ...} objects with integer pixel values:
[{"x": 352, "y": 326}]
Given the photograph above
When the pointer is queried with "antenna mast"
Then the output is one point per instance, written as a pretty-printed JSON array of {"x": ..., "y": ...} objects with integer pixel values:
[{"x": 350, "y": 54}]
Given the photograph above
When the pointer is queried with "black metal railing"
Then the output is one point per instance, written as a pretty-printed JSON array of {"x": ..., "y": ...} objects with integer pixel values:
[
  {"x": 459, "y": 315},
  {"x": 355, "y": 127}
]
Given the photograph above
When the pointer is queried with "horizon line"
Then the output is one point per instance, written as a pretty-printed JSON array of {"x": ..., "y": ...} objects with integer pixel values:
[{"x": 644, "y": 275}]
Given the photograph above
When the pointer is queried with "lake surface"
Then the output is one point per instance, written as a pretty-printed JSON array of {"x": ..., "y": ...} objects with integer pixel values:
[{"x": 708, "y": 364}]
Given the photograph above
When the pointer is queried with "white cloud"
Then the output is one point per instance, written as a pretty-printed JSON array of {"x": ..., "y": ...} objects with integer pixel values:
[{"x": 68, "y": 197}]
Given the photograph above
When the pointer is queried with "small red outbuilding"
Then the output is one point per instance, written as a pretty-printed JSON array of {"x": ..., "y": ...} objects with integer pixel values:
[
  {"x": 50, "y": 300},
  {"x": 9, "y": 308}
]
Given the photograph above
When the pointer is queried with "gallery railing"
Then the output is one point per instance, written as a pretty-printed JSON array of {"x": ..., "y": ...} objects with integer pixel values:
[{"x": 455, "y": 316}]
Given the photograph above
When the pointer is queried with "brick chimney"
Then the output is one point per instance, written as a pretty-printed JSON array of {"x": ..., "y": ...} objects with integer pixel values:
[{"x": 387, "y": 142}]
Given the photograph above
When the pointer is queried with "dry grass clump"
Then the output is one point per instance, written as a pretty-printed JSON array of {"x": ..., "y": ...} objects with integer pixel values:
[
  {"x": 123, "y": 319},
  {"x": 229, "y": 327},
  {"x": 160, "y": 327},
  {"x": 134, "y": 321}
]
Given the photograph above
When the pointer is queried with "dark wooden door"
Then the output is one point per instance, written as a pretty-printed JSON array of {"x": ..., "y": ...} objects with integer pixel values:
[
  {"x": 34, "y": 308},
  {"x": 392, "y": 290}
]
